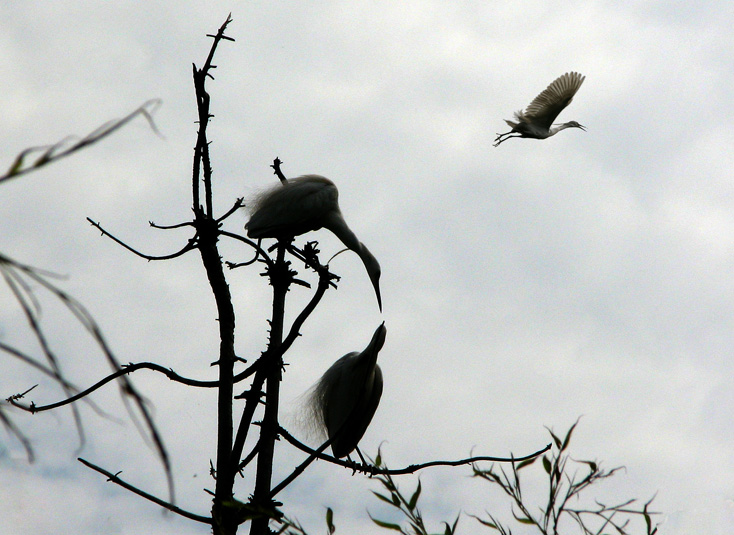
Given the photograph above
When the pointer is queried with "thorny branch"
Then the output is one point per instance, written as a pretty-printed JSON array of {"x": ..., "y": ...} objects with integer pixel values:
[
  {"x": 125, "y": 370},
  {"x": 114, "y": 478},
  {"x": 372, "y": 470},
  {"x": 186, "y": 248}
]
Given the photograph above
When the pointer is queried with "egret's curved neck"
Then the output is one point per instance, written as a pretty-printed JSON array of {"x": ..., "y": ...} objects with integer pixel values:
[
  {"x": 338, "y": 226},
  {"x": 553, "y": 131}
]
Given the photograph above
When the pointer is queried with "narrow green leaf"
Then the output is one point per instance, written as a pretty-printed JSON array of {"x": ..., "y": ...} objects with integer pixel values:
[
  {"x": 453, "y": 527},
  {"x": 330, "y": 520},
  {"x": 383, "y": 498},
  {"x": 546, "y": 464},
  {"x": 592, "y": 465},
  {"x": 555, "y": 439},
  {"x": 523, "y": 519},
  {"x": 47, "y": 156},
  {"x": 526, "y": 462},
  {"x": 568, "y": 436},
  {"x": 489, "y": 523},
  {"x": 386, "y": 525},
  {"x": 414, "y": 498},
  {"x": 18, "y": 163}
]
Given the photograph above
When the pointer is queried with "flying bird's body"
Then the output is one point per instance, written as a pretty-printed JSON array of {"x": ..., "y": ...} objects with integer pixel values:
[
  {"x": 537, "y": 119},
  {"x": 305, "y": 204},
  {"x": 346, "y": 397}
]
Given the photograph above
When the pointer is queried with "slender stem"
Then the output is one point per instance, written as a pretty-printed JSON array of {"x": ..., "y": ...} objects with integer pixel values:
[
  {"x": 224, "y": 521},
  {"x": 373, "y": 470},
  {"x": 171, "y": 507},
  {"x": 280, "y": 278},
  {"x": 253, "y": 400},
  {"x": 300, "y": 468},
  {"x": 225, "y": 469}
]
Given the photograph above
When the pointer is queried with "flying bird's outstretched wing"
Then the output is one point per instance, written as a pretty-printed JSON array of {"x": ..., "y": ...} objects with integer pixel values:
[{"x": 544, "y": 109}]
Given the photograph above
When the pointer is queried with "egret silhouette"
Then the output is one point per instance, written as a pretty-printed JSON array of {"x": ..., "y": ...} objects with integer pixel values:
[
  {"x": 343, "y": 402},
  {"x": 301, "y": 205},
  {"x": 538, "y": 118}
]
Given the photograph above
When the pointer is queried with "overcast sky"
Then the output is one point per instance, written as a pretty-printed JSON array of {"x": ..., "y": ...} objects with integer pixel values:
[{"x": 590, "y": 274}]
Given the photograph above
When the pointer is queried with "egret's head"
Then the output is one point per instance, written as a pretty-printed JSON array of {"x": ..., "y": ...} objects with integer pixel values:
[
  {"x": 574, "y": 124},
  {"x": 378, "y": 339}
]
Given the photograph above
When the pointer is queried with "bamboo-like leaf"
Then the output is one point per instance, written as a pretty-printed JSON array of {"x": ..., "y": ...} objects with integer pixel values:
[
  {"x": 330, "y": 520},
  {"x": 526, "y": 462},
  {"x": 546, "y": 464},
  {"x": 568, "y": 436},
  {"x": 450, "y": 530},
  {"x": 383, "y": 498},
  {"x": 417, "y": 528},
  {"x": 524, "y": 520},
  {"x": 488, "y": 523},
  {"x": 555, "y": 438},
  {"x": 414, "y": 498},
  {"x": 592, "y": 465},
  {"x": 386, "y": 525},
  {"x": 18, "y": 163}
]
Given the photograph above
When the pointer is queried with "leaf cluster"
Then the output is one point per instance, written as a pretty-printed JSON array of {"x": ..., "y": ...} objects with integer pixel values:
[{"x": 567, "y": 480}]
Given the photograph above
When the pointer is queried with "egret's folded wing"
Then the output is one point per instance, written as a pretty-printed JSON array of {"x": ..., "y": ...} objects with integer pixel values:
[{"x": 297, "y": 207}]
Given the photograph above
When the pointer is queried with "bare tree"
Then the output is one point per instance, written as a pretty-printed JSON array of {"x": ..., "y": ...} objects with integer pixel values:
[{"x": 256, "y": 383}]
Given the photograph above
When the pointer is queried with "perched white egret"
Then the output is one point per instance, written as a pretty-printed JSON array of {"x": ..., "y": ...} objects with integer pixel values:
[
  {"x": 343, "y": 402},
  {"x": 538, "y": 118},
  {"x": 301, "y": 205}
]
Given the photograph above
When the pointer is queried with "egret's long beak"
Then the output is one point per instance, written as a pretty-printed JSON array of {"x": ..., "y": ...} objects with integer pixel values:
[
  {"x": 378, "y": 339},
  {"x": 376, "y": 284},
  {"x": 582, "y": 127},
  {"x": 373, "y": 270}
]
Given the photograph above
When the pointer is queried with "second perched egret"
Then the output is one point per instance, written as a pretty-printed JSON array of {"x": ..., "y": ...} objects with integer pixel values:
[
  {"x": 344, "y": 400},
  {"x": 304, "y": 204},
  {"x": 537, "y": 120}
]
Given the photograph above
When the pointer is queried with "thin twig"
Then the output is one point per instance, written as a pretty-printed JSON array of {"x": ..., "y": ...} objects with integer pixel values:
[
  {"x": 367, "y": 469},
  {"x": 299, "y": 469},
  {"x": 276, "y": 167},
  {"x": 125, "y": 370},
  {"x": 171, "y": 227},
  {"x": 191, "y": 245},
  {"x": 115, "y": 479}
]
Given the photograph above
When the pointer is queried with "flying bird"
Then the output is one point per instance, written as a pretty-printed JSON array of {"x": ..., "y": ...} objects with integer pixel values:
[
  {"x": 301, "y": 205},
  {"x": 538, "y": 118},
  {"x": 343, "y": 402}
]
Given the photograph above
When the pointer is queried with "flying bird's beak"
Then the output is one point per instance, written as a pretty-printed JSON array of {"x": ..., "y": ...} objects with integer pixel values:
[{"x": 582, "y": 127}]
